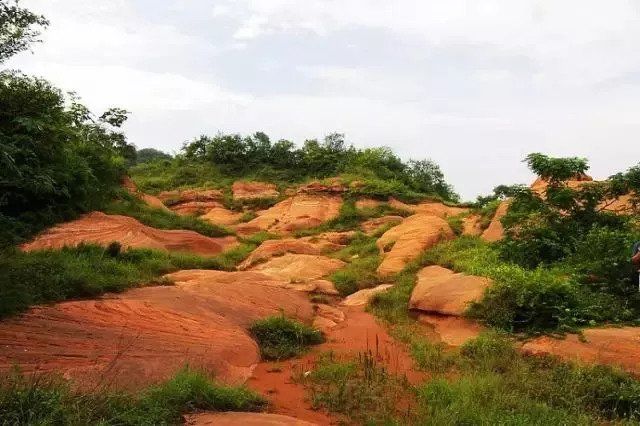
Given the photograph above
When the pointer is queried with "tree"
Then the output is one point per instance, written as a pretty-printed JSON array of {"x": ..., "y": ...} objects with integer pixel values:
[
  {"x": 427, "y": 177},
  {"x": 146, "y": 155},
  {"x": 19, "y": 28}
]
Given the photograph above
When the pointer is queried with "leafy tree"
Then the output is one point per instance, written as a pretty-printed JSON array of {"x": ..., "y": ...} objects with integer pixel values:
[
  {"x": 19, "y": 28},
  {"x": 427, "y": 177},
  {"x": 150, "y": 154}
]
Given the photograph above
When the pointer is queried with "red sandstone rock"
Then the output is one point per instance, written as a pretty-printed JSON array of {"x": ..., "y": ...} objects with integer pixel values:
[
  {"x": 372, "y": 226},
  {"x": 495, "y": 231},
  {"x": 244, "y": 419},
  {"x": 99, "y": 228},
  {"x": 251, "y": 190},
  {"x": 362, "y": 297},
  {"x": 299, "y": 267}
]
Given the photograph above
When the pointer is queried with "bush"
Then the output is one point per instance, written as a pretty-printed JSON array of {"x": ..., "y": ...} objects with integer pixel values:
[
  {"x": 50, "y": 400},
  {"x": 281, "y": 338}
]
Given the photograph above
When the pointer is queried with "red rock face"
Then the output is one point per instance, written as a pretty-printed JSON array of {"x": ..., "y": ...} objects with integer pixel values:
[
  {"x": 441, "y": 291},
  {"x": 371, "y": 226},
  {"x": 362, "y": 297},
  {"x": 453, "y": 331},
  {"x": 274, "y": 248},
  {"x": 495, "y": 231},
  {"x": 252, "y": 190},
  {"x": 221, "y": 216},
  {"x": 618, "y": 347},
  {"x": 299, "y": 267},
  {"x": 143, "y": 336},
  {"x": 298, "y": 212},
  {"x": 434, "y": 208},
  {"x": 403, "y": 243},
  {"x": 471, "y": 226},
  {"x": 99, "y": 228},
  {"x": 188, "y": 195}
]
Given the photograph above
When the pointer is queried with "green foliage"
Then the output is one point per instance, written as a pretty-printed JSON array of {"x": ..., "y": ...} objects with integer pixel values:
[
  {"x": 86, "y": 271},
  {"x": 146, "y": 155},
  {"x": 50, "y": 400},
  {"x": 129, "y": 205},
  {"x": 523, "y": 299},
  {"x": 162, "y": 175},
  {"x": 18, "y": 28},
  {"x": 457, "y": 223},
  {"x": 280, "y": 337},
  {"x": 361, "y": 390},
  {"x": 548, "y": 227},
  {"x": 56, "y": 159},
  {"x": 360, "y": 272},
  {"x": 381, "y": 171}
]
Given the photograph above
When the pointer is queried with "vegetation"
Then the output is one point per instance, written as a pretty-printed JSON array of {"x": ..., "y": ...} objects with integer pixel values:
[
  {"x": 46, "y": 400},
  {"x": 280, "y": 337},
  {"x": 146, "y": 155},
  {"x": 129, "y": 205},
  {"x": 363, "y": 259},
  {"x": 35, "y": 277},
  {"x": 19, "y": 28},
  {"x": 223, "y": 158}
]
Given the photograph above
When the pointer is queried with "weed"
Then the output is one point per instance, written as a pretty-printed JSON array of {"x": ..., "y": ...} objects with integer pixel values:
[{"x": 281, "y": 338}]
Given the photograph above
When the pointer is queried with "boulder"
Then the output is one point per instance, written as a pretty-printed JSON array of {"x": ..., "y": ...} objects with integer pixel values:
[
  {"x": 403, "y": 243},
  {"x": 253, "y": 190},
  {"x": 245, "y": 419},
  {"x": 195, "y": 208},
  {"x": 435, "y": 208},
  {"x": 222, "y": 216},
  {"x": 274, "y": 248},
  {"x": 299, "y": 267},
  {"x": 618, "y": 347},
  {"x": 143, "y": 336},
  {"x": 362, "y": 297},
  {"x": 298, "y": 212},
  {"x": 440, "y": 291},
  {"x": 495, "y": 230},
  {"x": 102, "y": 229}
]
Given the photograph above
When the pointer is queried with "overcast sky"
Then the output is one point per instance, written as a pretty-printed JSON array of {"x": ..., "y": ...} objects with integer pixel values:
[{"x": 474, "y": 85}]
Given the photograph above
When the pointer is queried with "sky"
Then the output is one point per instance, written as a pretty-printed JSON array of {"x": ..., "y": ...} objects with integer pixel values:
[{"x": 473, "y": 85}]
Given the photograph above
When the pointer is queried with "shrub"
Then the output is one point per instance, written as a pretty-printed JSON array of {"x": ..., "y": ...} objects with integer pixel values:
[{"x": 281, "y": 338}]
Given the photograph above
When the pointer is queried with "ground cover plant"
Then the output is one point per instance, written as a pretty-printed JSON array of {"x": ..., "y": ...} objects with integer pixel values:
[
  {"x": 47, "y": 400},
  {"x": 363, "y": 258},
  {"x": 43, "y": 276},
  {"x": 280, "y": 337}
]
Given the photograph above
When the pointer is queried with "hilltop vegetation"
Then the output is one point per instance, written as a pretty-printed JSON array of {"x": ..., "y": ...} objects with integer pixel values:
[{"x": 218, "y": 161}]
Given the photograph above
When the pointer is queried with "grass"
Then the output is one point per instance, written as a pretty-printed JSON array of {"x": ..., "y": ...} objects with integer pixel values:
[
  {"x": 50, "y": 400},
  {"x": 280, "y": 337},
  {"x": 130, "y": 205},
  {"x": 487, "y": 213},
  {"x": 457, "y": 223},
  {"x": 362, "y": 259},
  {"x": 361, "y": 390},
  {"x": 86, "y": 271}
]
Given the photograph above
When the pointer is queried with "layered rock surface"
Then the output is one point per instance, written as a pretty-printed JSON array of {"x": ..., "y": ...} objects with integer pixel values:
[
  {"x": 299, "y": 267},
  {"x": 495, "y": 230},
  {"x": 100, "y": 228},
  {"x": 403, "y": 243},
  {"x": 243, "y": 190}
]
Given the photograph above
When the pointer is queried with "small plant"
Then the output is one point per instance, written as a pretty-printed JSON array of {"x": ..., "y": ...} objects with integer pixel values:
[
  {"x": 113, "y": 249},
  {"x": 280, "y": 337}
]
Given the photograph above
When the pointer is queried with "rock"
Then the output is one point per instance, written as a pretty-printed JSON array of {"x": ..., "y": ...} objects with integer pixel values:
[
  {"x": 440, "y": 291},
  {"x": 323, "y": 324},
  {"x": 371, "y": 226},
  {"x": 329, "y": 312},
  {"x": 403, "y": 243},
  {"x": 298, "y": 212},
  {"x": 222, "y": 216},
  {"x": 329, "y": 186},
  {"x": 245, "y": 419},
  {"x": 252, "y": 190},
  {"x": 195, "y": 208},
  {"x": 434, "y": 208},
  {"x": 618, "y": 347},
  {"x": 454, "y": 331},
  {"x": 273, "y": 248},
  {"x": 331, "y": 240},
  {"x": 299, "y": 267},
  {"x": 495, "y": 231},
  {"x": 99, "y": 228},
  {"x": 363, "y": 297},
  {"x": 143, "y": 336},
  {"x": 367, "y": 203},
  {"x": 150, "y": 200},
  {"x": 188, "y": 195}
]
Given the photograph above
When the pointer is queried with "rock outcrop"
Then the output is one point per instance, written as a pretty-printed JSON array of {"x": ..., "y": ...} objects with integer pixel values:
[
  {"x": 243, "y": 190},
  {"x": 403, "y": 243},
  {"x": 372, "y": 226},
  {"x": 298, "y": 212},
  {"x": 194, "y": 202},
  {"x": 434, "y": 208},
  {"x": 495, "y": 230},
  {"x": 362, "y": 297},
  {"x": 299, "y": 267},
  {"x": 150, "y": 200},
  {"x": 618, "y": 347},
  {"x": 100, "y": 228},
  {"x": 143, "y": 336},
  {"x": 221, "y": 216},
  {"x": 244, "y": 419},
  {"x": 441, "y": 291}
]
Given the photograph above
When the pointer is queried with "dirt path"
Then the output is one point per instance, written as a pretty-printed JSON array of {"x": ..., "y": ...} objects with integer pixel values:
[{"x": 358, "y": 333}]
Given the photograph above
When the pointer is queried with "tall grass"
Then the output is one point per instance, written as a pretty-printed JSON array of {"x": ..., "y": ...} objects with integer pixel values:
[
  {"x": 41, "y": 400},
  {"x": 280, "y": 337},
  {"x": 362, "y": 257}
]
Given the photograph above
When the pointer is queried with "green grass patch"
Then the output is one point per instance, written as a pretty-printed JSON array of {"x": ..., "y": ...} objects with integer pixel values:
[
  {"x": 41, "y": 400},
  {"x": 362, "y": 259},
  {"x": 361, "y": 390},
  {"x": 280, "y": 337},
  {"x": 129, "y": 205},
  {"x": 86, "y": 271},
  {"x": 457, "y": 223}
]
